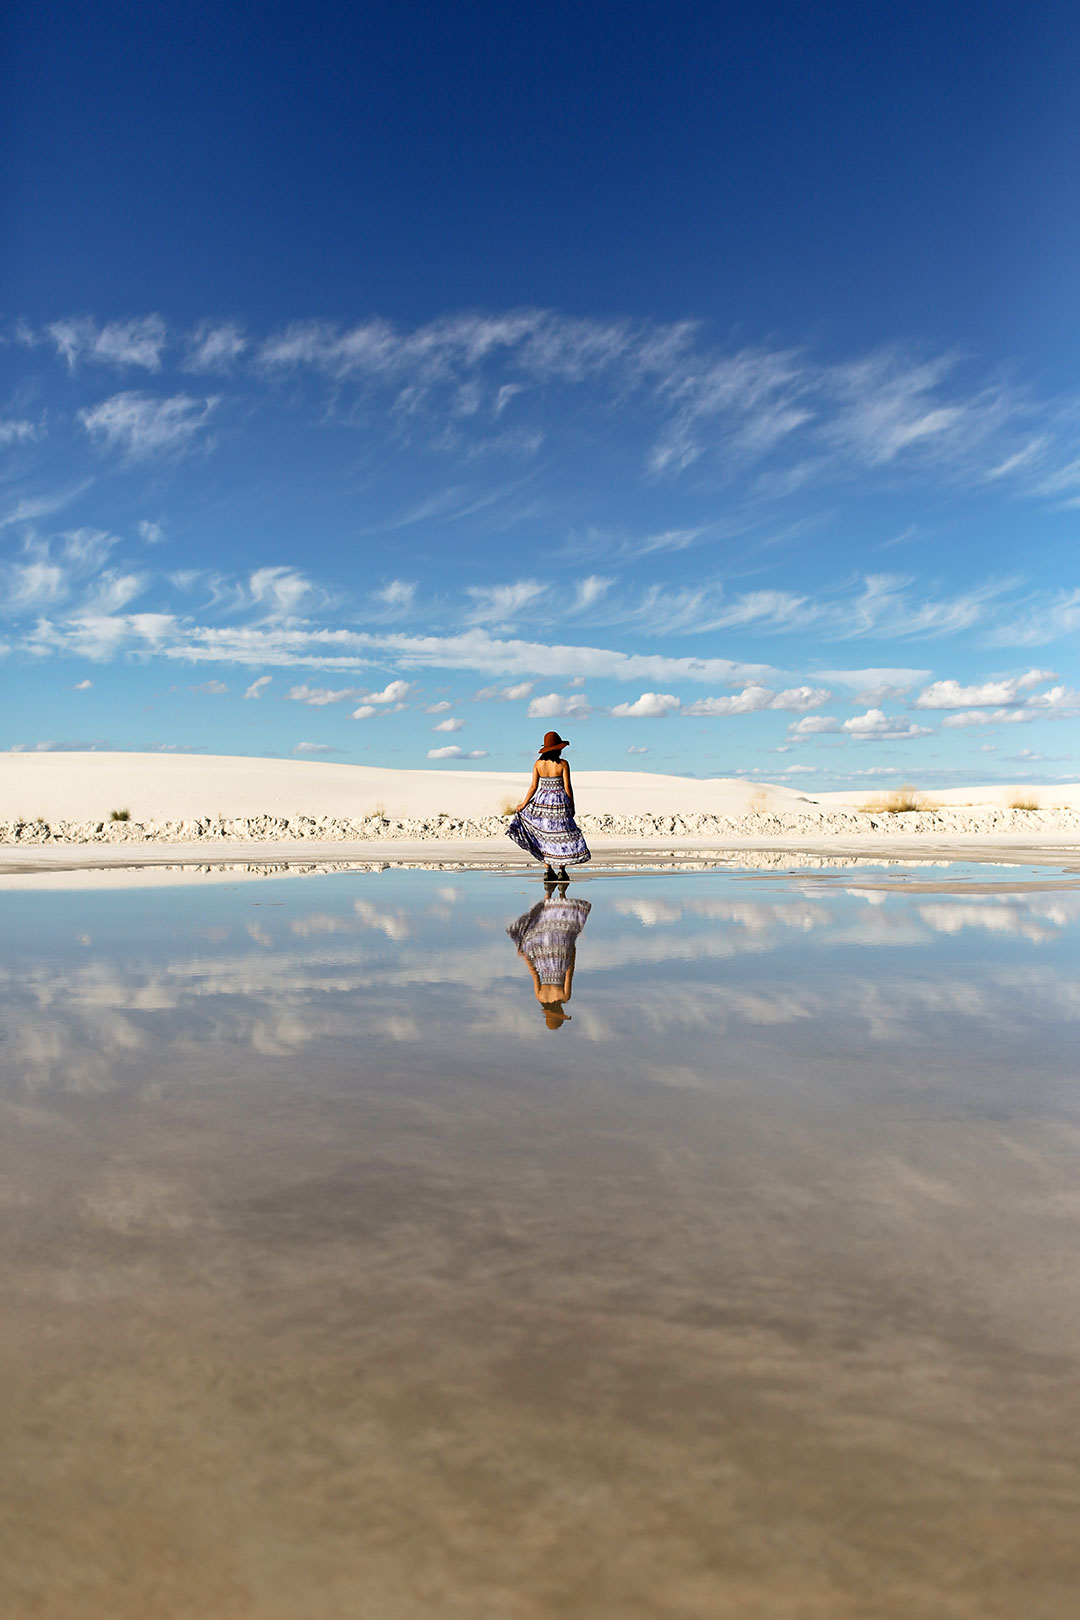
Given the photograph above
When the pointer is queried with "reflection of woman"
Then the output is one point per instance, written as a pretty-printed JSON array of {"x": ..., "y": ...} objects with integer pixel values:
[
  {"x": 543, "y": 824},
  {"x": 546, "y": 937}
]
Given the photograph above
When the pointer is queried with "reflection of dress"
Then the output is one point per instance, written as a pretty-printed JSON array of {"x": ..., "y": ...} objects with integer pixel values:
[
  {"x": 548, "y": 933},
  {"x": 546, "y": 829}
]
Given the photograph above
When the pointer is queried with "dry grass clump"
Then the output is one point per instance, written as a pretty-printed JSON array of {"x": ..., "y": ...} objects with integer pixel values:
[
  {"x": 119, "y": 815},
  {"x": 507, "y": 807},
  {"x": 759, "y": 802},
  {"x": 1024, "y": 801},
  {"x": 901, "y": 801}
]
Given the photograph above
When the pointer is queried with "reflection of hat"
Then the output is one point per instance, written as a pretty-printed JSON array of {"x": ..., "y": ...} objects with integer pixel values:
[
  {"x": 554, "y": 1017},
  {"x": 553, "y": 740}
]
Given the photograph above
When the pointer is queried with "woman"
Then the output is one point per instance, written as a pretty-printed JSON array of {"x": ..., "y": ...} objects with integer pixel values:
[
  {"x": 543, "y": 823},
  {"x": 546, "y": 937}
]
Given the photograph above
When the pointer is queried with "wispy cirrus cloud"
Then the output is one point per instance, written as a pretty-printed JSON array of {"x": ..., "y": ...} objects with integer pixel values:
[
  {"x": 215, "y": 346},
  {"x": 142, "y": 426},
  {"x": 780, "y": 417},
  {"x": 135, "y": 342},
  {"x": 503, "y": 603},
  {"x": 42, "y": 574},
  {"x": 19, "y": 430},
  {"x": 1053, "y": 616}
]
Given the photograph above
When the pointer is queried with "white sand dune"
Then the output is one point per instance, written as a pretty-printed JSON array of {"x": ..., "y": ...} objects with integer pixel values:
[{"x": 82, "y": 787}]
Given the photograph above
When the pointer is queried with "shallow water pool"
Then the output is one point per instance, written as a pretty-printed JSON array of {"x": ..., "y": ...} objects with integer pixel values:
[{"x": 345, "y": 1278}]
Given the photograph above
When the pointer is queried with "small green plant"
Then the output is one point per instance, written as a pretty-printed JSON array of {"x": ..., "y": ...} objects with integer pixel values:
[
  {"x": 119, "y": 815},
  {"x": 1024, "y": 801}
]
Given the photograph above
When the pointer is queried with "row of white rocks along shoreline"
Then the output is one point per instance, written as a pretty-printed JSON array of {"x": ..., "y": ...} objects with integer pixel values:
[{"x": 331, "y": 829}]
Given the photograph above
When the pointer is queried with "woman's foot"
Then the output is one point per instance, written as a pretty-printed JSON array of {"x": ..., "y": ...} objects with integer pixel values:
[
  {"x": 560, "y": 875},
  {"x": 549, "y": 875}
]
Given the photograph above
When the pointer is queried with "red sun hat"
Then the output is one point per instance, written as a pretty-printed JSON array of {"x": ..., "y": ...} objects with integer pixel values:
[{"x": 552, "y": 740}]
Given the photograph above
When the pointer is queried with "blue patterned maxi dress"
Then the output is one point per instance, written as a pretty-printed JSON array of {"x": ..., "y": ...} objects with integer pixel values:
[
  {"x": 547, "y": 935},
  {"x": 546, "y": 829}
]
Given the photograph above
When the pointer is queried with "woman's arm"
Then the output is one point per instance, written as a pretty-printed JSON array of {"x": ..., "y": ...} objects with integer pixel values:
[
  {"x": 532, "y": 790},
  {"x": 567, "y": 784}
]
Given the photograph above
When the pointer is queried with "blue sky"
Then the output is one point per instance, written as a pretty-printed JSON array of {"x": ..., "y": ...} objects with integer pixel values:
[{"x": 390, "y": 384}]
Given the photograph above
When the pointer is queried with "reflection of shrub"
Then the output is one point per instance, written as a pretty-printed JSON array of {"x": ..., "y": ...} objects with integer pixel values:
[
  {"x": 119, "y": 815},
  {"x": 1024, "y": 801},
  {"x": 898, "y": 803}
]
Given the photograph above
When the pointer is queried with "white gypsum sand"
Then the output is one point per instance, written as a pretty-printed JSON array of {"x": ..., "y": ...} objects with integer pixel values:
[{"x": 60, "y": 801}]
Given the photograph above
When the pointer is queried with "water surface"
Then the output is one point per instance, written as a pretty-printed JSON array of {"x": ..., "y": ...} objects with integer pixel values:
[{"x": 344, "y": 1280}]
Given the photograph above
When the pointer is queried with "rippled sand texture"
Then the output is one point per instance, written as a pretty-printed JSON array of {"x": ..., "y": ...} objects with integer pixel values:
[{"x": 339, "y": 1286}]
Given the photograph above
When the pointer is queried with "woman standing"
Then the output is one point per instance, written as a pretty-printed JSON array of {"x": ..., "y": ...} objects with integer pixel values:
[{"x": 543, "y": 824}]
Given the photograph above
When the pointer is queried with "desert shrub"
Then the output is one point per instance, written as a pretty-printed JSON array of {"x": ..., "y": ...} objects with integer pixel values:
[
  {"x": 899, "y": 802},
  {"x": 1024, "y": 801},
  {"x": 119, "y": 815},
  {"x": 507, "y": 807}
]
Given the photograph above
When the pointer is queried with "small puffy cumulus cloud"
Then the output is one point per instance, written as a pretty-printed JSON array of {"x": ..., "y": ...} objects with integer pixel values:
[
  {"x": 82, "y": 686},
  {"x": 454, "y": 752},
  {"x": 142, "y": 426},
  {"x": 211, "y": 688},
  {"x": 637, "y": 748},
  {"x": 876, "y": 726},
  {"x": 987, "y": 717},
  {"x": 316, "y": 748},
  {"x": 389, "y": 701},
  {"x": 397, "y": 595},
  {"x": 439, "y": 708},
  {"x": 649, "y": 706},
  {"x": 451, "y": 724},
  {"x": 317, "y": 697},
  {"x": 560, "y": 706},
  {"x": 258, "y": 687},
  {"x": 987, "y": 695},
  {"x": 873, "y": 726},
  {"x": 394, "y": 692},
  {"x": 503, "y": 694},
  {"x": 814, "y": 725},
  {"x": 136, "y": 342},
  {"x": 751, "y": 700},
  {"x": 754, "y": 699}
]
